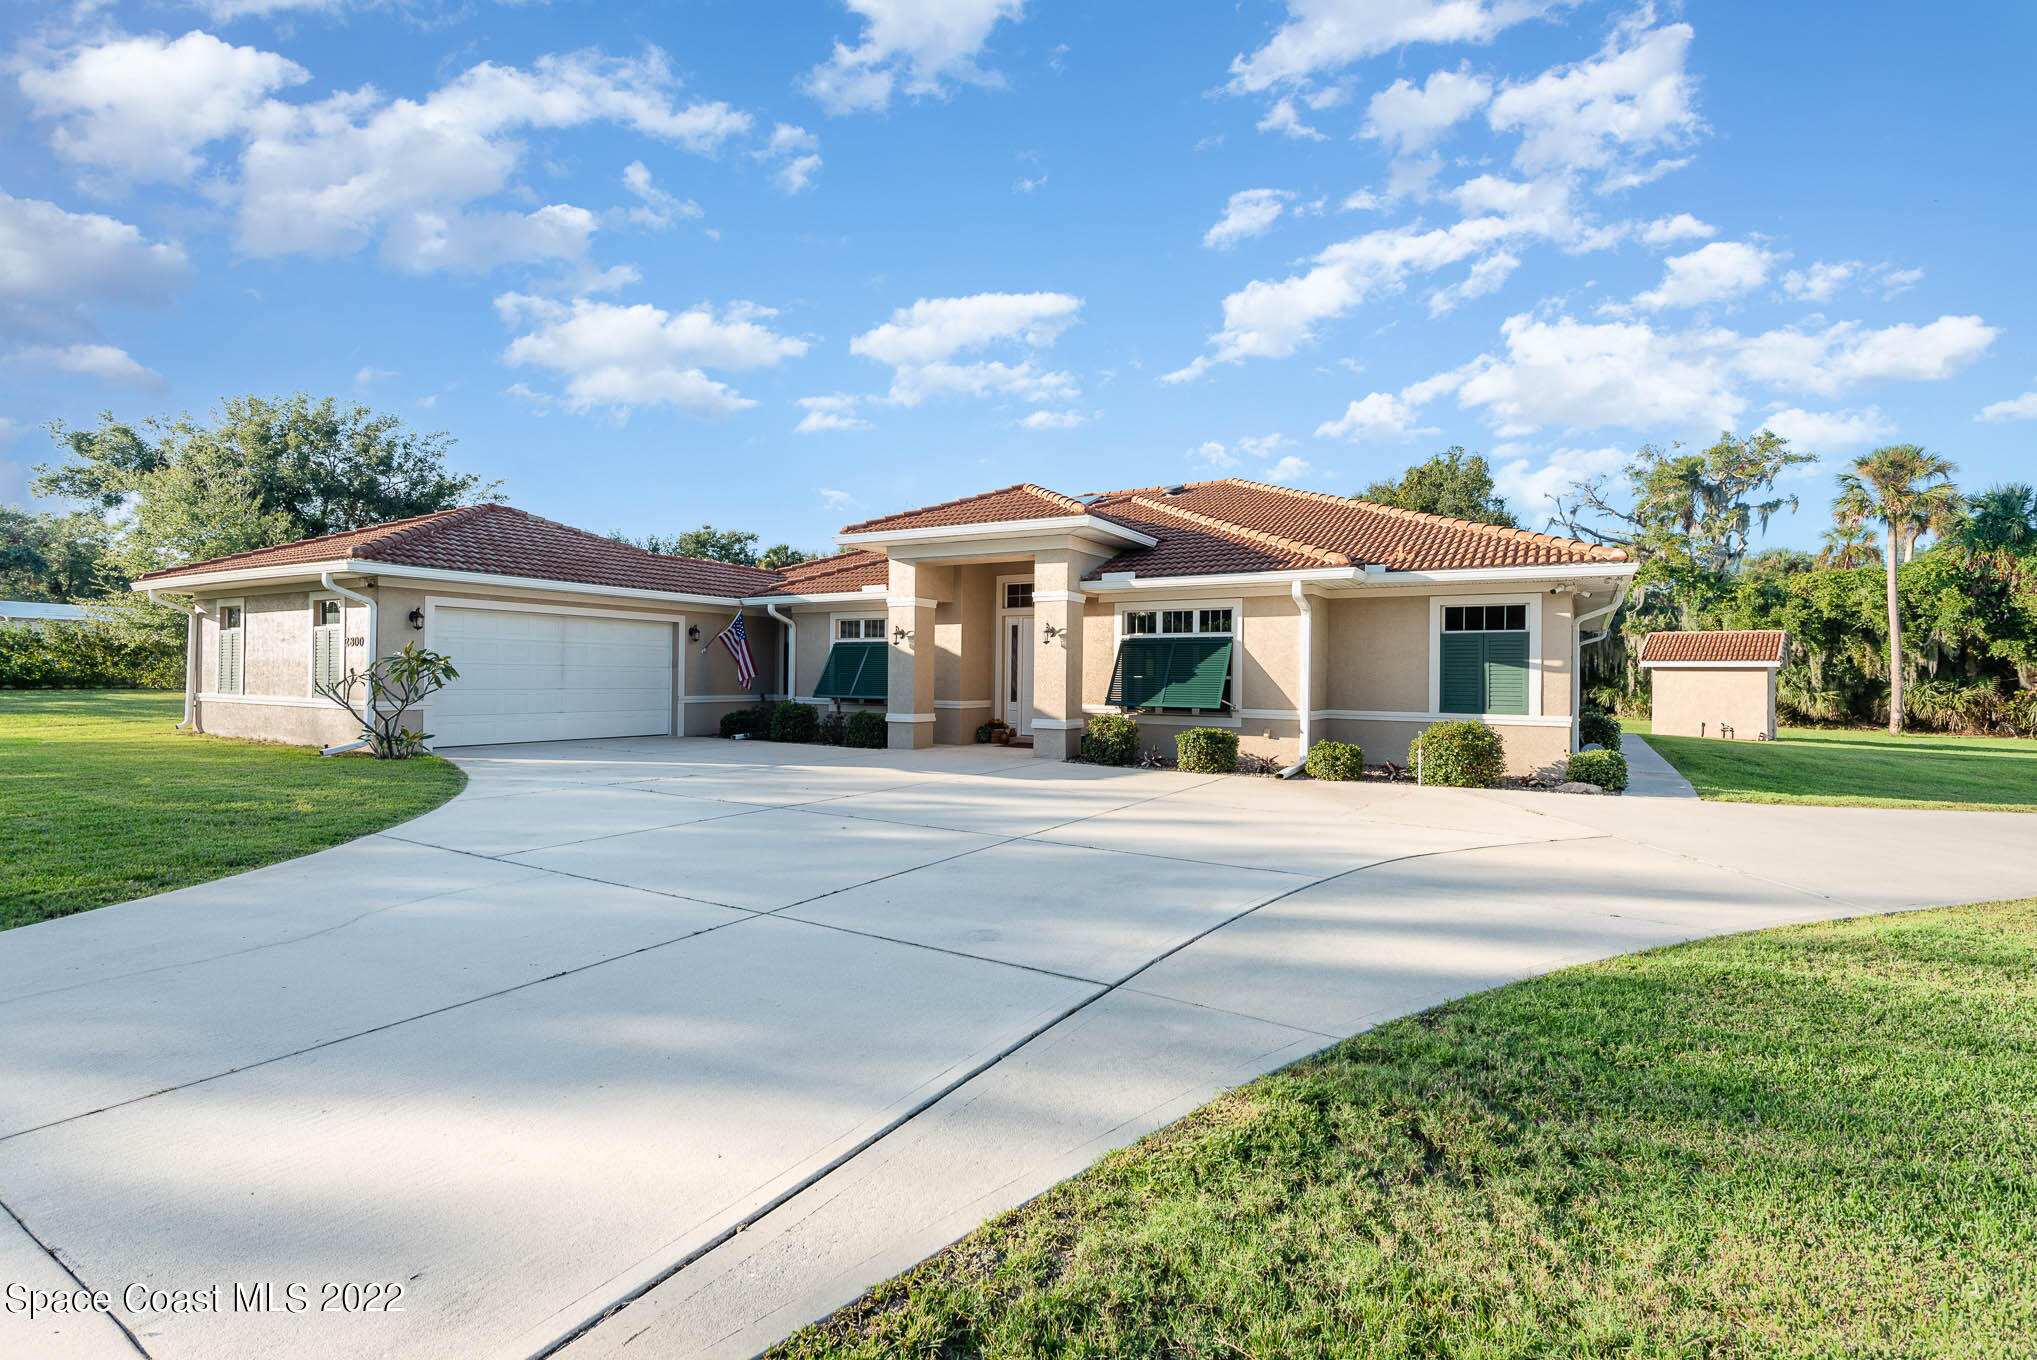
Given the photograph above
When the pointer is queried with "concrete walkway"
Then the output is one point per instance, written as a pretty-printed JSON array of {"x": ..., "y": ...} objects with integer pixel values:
[
  {"x": 1649, "y": 775},
  {"x": 663, "y": 1048}
]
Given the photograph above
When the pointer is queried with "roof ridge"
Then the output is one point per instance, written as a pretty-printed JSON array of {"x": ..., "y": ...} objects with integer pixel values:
[
  {"x": 401, "y": 529},
  {"x": 1076, "y": 506},
  {"x": 1324, "y": 555},
  {"x": 957, "y": 500},
  {"x": 403, "y": 525},
  {"x": 1518, "y": 535}
]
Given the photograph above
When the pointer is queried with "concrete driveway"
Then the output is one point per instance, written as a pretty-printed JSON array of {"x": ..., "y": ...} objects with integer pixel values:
[{"x": 665, "y": 1047}]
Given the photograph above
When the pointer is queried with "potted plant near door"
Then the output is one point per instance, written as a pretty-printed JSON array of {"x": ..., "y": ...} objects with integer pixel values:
[{"x": 997, "y": 731}]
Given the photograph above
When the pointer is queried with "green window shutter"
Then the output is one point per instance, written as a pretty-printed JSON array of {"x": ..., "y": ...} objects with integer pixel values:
[
  {"x": 1463, "y": 688},
  {"x": 1506, "y": 673},
  {"x": 1170, "y": 673},
  {"x": 854, "y": 670}
]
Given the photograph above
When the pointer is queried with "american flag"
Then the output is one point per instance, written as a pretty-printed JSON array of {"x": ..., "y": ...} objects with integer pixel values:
[{"x": 736, "y": 638}]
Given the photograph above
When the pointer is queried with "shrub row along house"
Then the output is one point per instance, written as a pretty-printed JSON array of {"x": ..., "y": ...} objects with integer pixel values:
[{"x": 1289, "y": 616}]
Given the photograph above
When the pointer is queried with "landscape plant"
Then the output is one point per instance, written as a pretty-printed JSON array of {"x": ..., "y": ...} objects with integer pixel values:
[
  {"x": 1908, "y": 492},
  {"x": 1335, "y": 760},
  {"x": 379, "y": 695},
  {"x": 1111, "y": 739},
  {"x": 754, "y": 721},
  {"x": 1459, "y": 754},
  {"x": 1607, "y": 769},
  {"x": 1207, "y": 750},
  {"x": 791, "y": 721},
  {"x": 865, "y": 729},
  {"x": 1594, "y": 724}
]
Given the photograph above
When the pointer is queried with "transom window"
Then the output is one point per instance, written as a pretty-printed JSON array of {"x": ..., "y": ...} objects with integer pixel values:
[
  {"x": 325, "y": 613},
  {"x": 1178, "y": 622},
  {"x": 853, "y": 630},
  {"x": 229, "y": 616},
  {"x": 1485, "y": 618},
  {"x": 1018, "y": 594}
]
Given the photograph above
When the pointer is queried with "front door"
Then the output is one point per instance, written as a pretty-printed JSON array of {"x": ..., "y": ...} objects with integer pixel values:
[{"x": 1015, "y": 692}]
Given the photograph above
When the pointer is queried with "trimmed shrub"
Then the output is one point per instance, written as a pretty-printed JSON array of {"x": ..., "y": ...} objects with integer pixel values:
[
  {"x": 1207, "y": 750},
  {"x": 1594, "y": 724},
  {"x": 865, "y": 728},
  {"x": 1111, "y": 739},
  {"x": 1607, "y": 769},
  {"x": 794, "y": 722},
  {"x": 88, "y": 655},
  {"x": 1335, "y": 760},
  {"x": 1459, "y": 755},
  {"x": 833, "y": 729},
  {"x": 747, "y": 722}
]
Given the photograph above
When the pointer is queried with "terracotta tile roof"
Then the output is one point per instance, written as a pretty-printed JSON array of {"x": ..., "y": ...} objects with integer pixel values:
[
  {"x": 1022, "y": 501},
  {"x": 1751, "y": 644},
  {"x": 828, "y": 575},
  {"x": 502, "y": 541}
]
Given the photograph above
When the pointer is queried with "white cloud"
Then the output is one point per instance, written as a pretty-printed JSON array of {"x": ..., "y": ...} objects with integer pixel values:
[
  {"x": 1213, "y": 454},
  {"x": 836, "y": 500},
  {"x": 797, "y": 174},
  {"x": 2015, "y": 408},
  {"x": 1820, "y": 281},
  {"x": 1327, "y": 35},
  {"x": 1609, "y": 113},
  {"x": 104, "y": 362},
  {"x": 1486, "y": 276},
  {"x": 920, "y": 343},
  {"x": 1248, "y": 213},
  {"x": 367, "y": 376},
  {"x": 917, "y": 46},
  {"x": 1283, "y": 117},
  {"x": 1845, "y": 354},
  {"x": 1819, "y": 431},
  {"x": 1532, "y": 488},
  {"x": 1713, "y": 273},
  {"x": 57, "y": 265},
  {"x": 833, "y": 413},
  {"x": 797, "y": 152},
  {"x": 1288, "y": 469},
  {"x": 640, "y": 355},
  {"x": 1026, "y": 186},
  {"x": 1412, "y": 118},
  {"x": 1665, "y": 231},
  {"x": 1051, "y": 420},
  {"x": 1262, "y": 445},
  {"x": 142, "y": 108},
  {"x": 1380, "y": 415},
  {"x": 659, "y": 208}
]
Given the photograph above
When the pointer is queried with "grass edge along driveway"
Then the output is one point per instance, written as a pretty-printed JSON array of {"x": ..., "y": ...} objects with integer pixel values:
[
  {"x": 1801, "y": 1142},
  {"x": 1850, "y": 767},
  {"x": 102, "y": 801}
]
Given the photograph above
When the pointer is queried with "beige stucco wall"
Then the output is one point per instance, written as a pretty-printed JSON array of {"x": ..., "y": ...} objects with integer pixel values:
[
  {"x": 1378, "y": 654},
  {"x": 1700, "y": 702}
]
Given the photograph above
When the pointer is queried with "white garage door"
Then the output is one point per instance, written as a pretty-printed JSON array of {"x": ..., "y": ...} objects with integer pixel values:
[{"x": 528, "y": 676}]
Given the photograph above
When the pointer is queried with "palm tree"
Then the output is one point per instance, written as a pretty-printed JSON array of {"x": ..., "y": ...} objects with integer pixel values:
[
  {"x": 1905, "y": 490},
  {"x": 2001, "y": 518},
  {"x": 1847, "y": 547}
]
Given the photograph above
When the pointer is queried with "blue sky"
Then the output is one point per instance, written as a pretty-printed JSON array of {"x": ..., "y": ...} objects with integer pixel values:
[{"x": 781, "y": 266}]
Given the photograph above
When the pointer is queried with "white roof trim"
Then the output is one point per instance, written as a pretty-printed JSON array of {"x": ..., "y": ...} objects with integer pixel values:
[
  {"x": 998, "y": 528},
  {"x": 1361, "y": 575},
  {"x": 828, "y": 597},
  {"x": 290, "y": 571},
  {"x": 1711, "y": 665}
]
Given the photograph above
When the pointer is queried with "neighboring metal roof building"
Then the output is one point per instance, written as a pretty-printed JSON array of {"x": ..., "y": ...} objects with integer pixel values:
[{"x": 20, "y": 611}]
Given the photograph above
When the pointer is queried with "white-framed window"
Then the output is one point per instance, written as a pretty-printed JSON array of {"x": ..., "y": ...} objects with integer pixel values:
[
  {"x": 1018, "y": 594},
  {"x": 1483, "y": 656},
  {"x": 1149, "y": 675},
  {"x": 859, "y": 629},
  {"x": 1195, "y": 622},
  {"x": 328, "y": 641},
  {"x": 232, "y": 649}
]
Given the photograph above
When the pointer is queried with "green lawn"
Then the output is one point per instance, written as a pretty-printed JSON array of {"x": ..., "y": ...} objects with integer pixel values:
[
  {"x": 1810, "y": 1142},
  {"x": 1858, "y": 768},
  {"x": 101, "y": 801}
]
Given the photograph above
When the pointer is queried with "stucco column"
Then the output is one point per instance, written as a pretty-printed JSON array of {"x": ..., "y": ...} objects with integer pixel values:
[
  {"x": 909, "y": 707},
  {"x": 1057, "y": 662}
]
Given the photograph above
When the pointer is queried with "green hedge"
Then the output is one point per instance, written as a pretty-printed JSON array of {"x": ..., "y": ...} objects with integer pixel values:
[
  {"x": 1335, "y": 760},
  {"x": 865, "y": 728},
  {"x": 754, "y": 721},
  {"x": 87, "y": 655},
  {"x": 1607, "y": 769},
  {"x": 1207, "y": 750},
  {"x": 1463, "y": 755},
  {"x": 1111, "y": 739},
  {"x": 1594, "y": 724},
  {"x": 794, "y": 722}
]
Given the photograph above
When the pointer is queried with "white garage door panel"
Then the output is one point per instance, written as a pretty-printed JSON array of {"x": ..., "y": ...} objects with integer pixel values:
[{"x": 550, "y": 677}]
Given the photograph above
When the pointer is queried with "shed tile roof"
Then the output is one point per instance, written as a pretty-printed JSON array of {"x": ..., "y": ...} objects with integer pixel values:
[
  {"x": 1741, "y": 645},
  {"x": 502, "y": 541}
]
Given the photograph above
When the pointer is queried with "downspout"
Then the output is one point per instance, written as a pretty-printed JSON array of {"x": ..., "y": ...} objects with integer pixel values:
[
  {"x": 1306, "y": 613},
  {"x": 1619, "y": 598},
  {"x": 1577, "y": 670},
  {"x": 791, "y": 648},
  {"x": 192, "y": 615},
  {"x": 368, "y": 601}
]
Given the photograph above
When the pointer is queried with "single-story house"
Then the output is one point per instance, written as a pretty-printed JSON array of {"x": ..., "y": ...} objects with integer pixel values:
[
  {"x": 1719, "y": 683},
  {"x": 1288, "y": 616}
]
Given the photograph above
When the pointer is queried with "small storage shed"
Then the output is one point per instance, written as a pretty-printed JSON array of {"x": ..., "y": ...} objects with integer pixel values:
[{"x": 1718, "y": 684}]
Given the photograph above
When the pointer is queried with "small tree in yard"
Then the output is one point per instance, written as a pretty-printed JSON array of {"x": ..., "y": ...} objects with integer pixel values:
[{"x": 387, "y": 688}]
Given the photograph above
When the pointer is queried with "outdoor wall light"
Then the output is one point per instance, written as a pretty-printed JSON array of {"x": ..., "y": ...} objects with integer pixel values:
[
  {"x": 693, "y": 632},
  {"x": 898, "y": 633},
  {"x": 416, "y": 617},
  {"x": 1049, "y": 633}
]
